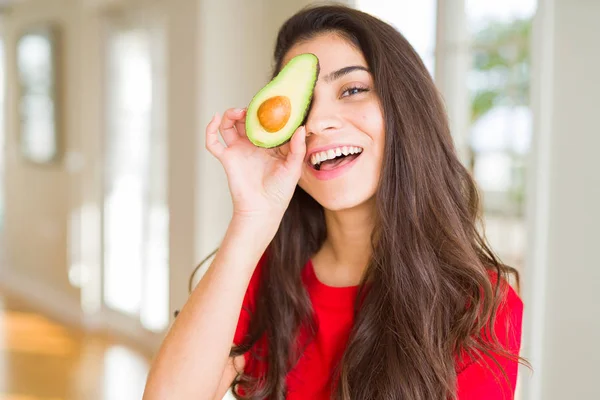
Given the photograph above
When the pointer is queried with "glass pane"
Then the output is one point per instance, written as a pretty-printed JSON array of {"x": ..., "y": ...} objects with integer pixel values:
[
  {"x": 501, "y": 119},
  {"x": 136, "y": 277},
  {"x": 155, "y": 291},
  {"x": 127, "y": 156},
  {"x": 36, "y": 102}
]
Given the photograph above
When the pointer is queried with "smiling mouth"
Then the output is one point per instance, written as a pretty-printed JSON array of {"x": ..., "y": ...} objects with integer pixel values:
[{"x": 334, "y": 158}]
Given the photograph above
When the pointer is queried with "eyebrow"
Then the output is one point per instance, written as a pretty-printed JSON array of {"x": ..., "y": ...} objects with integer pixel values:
[{"x": 343, "y": 71}]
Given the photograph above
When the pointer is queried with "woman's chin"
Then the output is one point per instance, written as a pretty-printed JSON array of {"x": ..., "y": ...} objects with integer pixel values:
[{"x": 341, "y": 203}]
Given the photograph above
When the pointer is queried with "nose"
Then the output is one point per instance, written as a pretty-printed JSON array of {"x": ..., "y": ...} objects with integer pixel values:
[{"x": 322, "y": 119}]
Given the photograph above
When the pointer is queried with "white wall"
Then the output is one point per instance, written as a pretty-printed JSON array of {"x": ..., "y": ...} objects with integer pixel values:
[{"x": 561, "y": 280}]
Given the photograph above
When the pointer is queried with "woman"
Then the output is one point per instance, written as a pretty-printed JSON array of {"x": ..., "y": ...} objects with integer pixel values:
[{"x": 362, "y": 277}]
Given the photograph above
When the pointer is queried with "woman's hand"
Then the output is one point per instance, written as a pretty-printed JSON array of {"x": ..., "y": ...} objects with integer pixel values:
[{"x": 261, "y": 181}]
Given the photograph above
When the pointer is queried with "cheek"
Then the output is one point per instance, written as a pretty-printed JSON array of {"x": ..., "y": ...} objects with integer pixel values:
[
  {"x": 372, "y": 123},
  {"x": 367, "y": 117}
]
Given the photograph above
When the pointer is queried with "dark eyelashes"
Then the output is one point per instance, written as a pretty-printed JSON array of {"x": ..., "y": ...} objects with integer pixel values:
[{"x": 351, "y": 91}]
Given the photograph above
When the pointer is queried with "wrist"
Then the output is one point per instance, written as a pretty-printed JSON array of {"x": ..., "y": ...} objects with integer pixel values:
[
  {"x": 260, "y": 220},
  {"x": 244, "y": 242},
  {"x": 256, "y": 228}
]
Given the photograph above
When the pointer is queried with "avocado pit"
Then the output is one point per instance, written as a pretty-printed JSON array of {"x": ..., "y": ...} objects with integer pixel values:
[{"x": 274, "y": 113}]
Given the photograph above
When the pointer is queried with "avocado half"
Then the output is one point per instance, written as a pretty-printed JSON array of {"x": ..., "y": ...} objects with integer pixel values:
[{"x": 281, "y": 106}]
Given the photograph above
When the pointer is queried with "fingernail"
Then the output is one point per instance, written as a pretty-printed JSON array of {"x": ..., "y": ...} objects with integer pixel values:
[{"x": 239, "y": 110}]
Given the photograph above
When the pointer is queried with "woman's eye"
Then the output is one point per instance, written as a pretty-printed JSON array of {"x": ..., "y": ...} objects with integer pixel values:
[{"x": 353, "y": 90}]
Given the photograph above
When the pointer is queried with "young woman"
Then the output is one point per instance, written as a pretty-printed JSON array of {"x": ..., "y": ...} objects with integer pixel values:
[{"x": 362, "y": 277}]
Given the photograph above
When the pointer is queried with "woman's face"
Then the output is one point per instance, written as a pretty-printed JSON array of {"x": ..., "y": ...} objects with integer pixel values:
[{"x": 345, "y": 118}]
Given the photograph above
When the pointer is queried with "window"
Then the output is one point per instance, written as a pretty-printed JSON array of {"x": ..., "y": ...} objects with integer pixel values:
[
  {"x": 501, "y": 120},
  {"x": 136, "y": 274}
]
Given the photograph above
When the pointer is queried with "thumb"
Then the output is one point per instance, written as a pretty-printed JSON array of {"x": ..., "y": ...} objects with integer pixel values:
[{"x": 295, "y": 157}]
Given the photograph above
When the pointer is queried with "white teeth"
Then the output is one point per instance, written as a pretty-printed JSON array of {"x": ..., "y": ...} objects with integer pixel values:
[{"x": 330, "y": 154}]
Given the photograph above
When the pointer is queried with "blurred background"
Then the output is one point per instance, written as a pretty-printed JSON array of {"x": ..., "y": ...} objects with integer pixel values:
[{"x": 108, "y": 199}]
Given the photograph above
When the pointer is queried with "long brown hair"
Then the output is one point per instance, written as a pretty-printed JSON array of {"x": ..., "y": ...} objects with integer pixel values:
[{"x": 431, "y": 294}]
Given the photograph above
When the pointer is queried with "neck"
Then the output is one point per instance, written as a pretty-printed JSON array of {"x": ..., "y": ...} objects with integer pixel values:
[{"x": 348, "y": 242}]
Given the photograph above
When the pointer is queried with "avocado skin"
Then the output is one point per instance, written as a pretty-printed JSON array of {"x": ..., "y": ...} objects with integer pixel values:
[{"x": 253, "y": 128}]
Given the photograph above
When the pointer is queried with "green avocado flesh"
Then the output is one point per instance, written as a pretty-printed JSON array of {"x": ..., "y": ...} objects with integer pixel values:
[{"x": 296, "y": 81}]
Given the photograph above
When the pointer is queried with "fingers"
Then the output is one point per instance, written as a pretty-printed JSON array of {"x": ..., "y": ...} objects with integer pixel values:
[
  {"x": 240, "y": 125},
  {"x": 213, "y": 145},
  {"x": 228, "y": 124},
  {"x": 279, "y": 152},
  {"x": 297, "y": 152}
]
